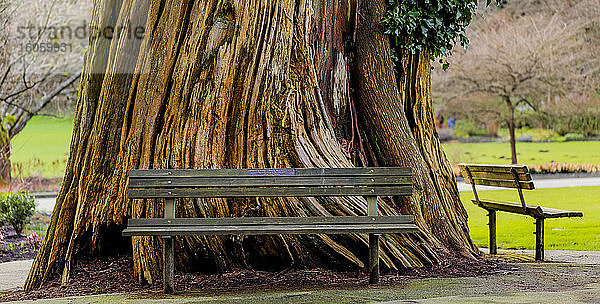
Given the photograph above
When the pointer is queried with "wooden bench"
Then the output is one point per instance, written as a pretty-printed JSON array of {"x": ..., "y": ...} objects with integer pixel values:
[
  {"x": 516, "y": 177},
  {"x": 306, "y": 182}
]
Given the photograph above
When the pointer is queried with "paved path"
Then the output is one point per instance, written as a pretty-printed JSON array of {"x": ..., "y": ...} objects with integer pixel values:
[
  {"x": 13, "y": 274},
  {"x": 576, "y": 281},
  {"x": 45, "y": 204},
  {"x": 522, "y": 283},
  {"x": 543, "y": 183},
  {"x": 585, "y": 294},
  {"x": 577, "y": 257}
]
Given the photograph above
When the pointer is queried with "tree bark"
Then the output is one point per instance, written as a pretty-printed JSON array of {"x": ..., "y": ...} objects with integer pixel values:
[
  {"x": 401, "y": 123},
  {"x": 220, "y": 84},
  {"x": 5, "y": 165}
]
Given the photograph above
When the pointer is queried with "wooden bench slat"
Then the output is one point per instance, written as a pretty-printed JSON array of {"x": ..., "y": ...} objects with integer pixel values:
[
  {"x": 538, "y": 211},
  {"x": 558, "y": 213},
  {"x": 494, "y": 168},
  {"x": 269, "y": 181},
  {"x": 511, "y": 207},
  {"x": 497, "y": 175},
  {"x": 269, "y": 192},
  {"x": 270, "y": 229},
  {"x": 388, "y": 171},
  {"x": 311, "y": 220},
  {"x": 501, "y": 183}
]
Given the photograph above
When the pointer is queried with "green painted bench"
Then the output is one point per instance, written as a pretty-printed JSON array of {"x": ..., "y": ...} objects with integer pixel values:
[
  {"x": 515, "y": 177},
  {"x": 302, "y": 182}
]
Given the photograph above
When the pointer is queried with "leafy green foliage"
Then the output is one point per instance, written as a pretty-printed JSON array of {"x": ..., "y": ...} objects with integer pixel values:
[
  {"x": 587, "y": 124},
  {"x": 436, "y": 25},
  {"x": 16, "y": 209},
  {"x": 466, "y": 128},
  {"x": 574, "y": 137}
]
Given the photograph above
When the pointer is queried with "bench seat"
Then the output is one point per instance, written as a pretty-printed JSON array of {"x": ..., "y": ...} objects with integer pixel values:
[
  {"x": 271, "y": 225},
  {"x": 535, "y": 211}
]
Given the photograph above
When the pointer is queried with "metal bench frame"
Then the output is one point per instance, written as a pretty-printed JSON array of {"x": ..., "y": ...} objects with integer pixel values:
[
  {"x": 298, "y": 182},
  {"x": 516, "y": 177}
]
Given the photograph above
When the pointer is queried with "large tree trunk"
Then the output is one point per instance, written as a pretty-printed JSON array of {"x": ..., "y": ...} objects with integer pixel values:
[{"x": 218, "y": 84}]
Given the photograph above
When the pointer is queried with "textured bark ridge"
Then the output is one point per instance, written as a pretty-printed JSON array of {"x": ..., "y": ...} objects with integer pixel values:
[
  {"x": 248, "y": 84},
  {"x": 398, "y": 114}
]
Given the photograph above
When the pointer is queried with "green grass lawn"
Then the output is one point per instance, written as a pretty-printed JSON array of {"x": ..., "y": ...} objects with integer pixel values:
[
  {"x": 575, "y": 152},
  {"x": 516, "y": 231},
  {"x": 41, "y": 149}
]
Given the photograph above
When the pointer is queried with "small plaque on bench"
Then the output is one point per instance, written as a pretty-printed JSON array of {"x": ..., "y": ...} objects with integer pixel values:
[{"x": 266, "y": 172}]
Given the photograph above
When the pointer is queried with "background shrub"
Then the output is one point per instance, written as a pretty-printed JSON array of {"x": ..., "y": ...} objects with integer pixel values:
[
  {"x": 16, "y": 209},
  {"x": 587, "y": 125},
  {"x": 466, "y": 128},
  {"x": 574, "y": 137}
]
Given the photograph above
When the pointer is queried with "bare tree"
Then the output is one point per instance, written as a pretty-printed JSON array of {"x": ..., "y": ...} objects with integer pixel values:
[
  {"x": 523, "y": 59},
  {"x": 39, "y": 62}
]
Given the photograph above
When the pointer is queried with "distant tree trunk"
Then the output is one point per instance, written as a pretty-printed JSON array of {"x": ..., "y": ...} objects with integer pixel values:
[
  {"x": 5, "y": 166},
  {"x": 492, "y": 127},
  {"x": 239, "y": 85},
  {"x": 511, "y": 129}
]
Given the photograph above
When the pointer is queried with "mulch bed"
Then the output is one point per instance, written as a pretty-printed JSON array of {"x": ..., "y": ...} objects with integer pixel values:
[
  {"x": 115, "y": 275},
  {"x": 15, "y": 247},
  {"x": 16, "y": 255}
]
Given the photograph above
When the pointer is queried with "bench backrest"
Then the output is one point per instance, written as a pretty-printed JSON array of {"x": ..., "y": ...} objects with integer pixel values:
[
  {"x": 303, "y": 182},
  {"x": 505, "y": 176}
]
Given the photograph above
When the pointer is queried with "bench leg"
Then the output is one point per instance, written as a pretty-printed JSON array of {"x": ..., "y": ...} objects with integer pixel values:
[
  {"x": 373, "y": 258},
  {"x": 539, "y": 239},
  {"x": 169, "y": 265},
  {"x": 492, "y": 228},
  {"x": 373, "y": 243},
  {"x": 169, "y": 251}
]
